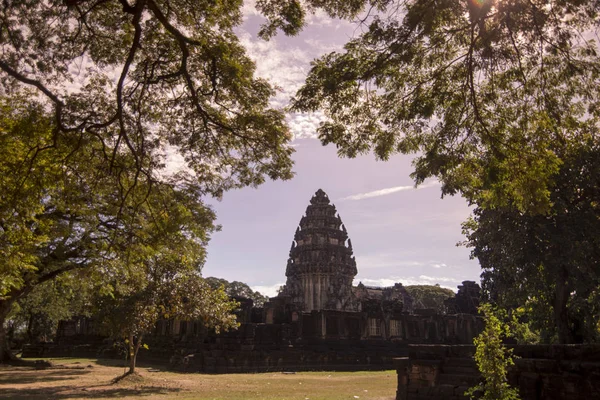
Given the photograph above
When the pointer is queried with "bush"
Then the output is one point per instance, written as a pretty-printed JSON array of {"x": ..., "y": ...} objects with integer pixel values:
[{"x": 493, "y": 359}]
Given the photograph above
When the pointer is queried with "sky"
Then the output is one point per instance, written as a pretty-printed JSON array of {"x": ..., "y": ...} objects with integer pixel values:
[{"x": 399, "y": 233}]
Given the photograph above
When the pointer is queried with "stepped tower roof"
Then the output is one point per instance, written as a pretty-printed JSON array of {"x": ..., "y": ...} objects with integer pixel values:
[{"x": 321, "y": 265}]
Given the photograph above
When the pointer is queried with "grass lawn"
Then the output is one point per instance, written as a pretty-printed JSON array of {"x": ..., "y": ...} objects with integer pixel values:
[{"x": 91, "y": 379}]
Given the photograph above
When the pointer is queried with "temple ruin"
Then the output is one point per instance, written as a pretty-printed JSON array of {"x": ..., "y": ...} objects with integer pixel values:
[
  {"x": 319, "y": 320},
  {"x": 321, "y": 266}
]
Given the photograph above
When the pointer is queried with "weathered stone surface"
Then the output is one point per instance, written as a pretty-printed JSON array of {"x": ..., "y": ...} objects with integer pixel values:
[
  {"x": 566, "y": 372},
  {"x": 321, "y": 265},
  {"x": 466, "y": 300}
]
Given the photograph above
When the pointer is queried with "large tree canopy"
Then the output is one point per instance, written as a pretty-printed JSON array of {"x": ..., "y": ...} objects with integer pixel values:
[
  {"x": 149, "y": 77},
  {"x": 551, "y": 261},
  {"x": 478, "y": 88},
  {"x": 97, "y": 98},
  {"x": 63, "y": 210}
]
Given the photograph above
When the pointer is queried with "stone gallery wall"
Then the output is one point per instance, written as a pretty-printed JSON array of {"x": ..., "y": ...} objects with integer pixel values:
[
  {"x": 541, "y": 372},
  {"x": 319, "y": 340}
]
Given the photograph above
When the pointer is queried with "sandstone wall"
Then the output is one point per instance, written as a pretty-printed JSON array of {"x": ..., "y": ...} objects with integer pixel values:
[{"x": 541, "y": 372}]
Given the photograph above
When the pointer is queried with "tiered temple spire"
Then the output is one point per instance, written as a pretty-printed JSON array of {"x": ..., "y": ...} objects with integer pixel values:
[{"x": 321, "y": 266}]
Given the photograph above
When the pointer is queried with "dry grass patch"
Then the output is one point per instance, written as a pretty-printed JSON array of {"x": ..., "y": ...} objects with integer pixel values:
[{"x": 91, "y": 379}]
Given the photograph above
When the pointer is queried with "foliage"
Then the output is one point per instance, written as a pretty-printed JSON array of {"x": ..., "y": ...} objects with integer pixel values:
[
  {"x": 487, "y": 93},
  {"x": 60, "y": 208},
  {"x": 524, "y": 330},
  {"x": 492, "y": 358},
  {"x": 149, "y": 77},
  {"x": 25, "y": 129},
  {"x": 159, "y": 275},
  {"x": 97, "y": 100},
  {"x": 429, "y": 296},
  {"x": 548, "y": 263},
  {"x": 237, "y": 289},
  {"x": 63, "y": 209},
  {"x": 131, "y": 313},
  {"x": 36, "y": 316},
  {"x": 128, "y": 84}
]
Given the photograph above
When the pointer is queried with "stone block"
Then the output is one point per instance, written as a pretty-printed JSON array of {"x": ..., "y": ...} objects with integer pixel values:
[
  {"x": 446, "y": 390},
  {"x": 546, "y": 366}
]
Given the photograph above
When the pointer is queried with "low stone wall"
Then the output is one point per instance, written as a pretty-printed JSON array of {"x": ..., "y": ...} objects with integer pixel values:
[
  {"x": 318, "y": 355},
  {"x": 541, "y": 372},
  {"x": 232, "y": 356}
]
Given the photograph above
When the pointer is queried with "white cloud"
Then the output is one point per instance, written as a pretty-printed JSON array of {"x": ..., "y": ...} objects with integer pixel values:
[
  {"x": 268, "y": 290},
  {"x": 386, "y": 191},
  {"x": 445, "y": 282},
  {"x": 438, "y": 279},
  {"x": 285, "y": 61},
  {"x": 382, "y": 282},
  {"x": 284, "y": 66},
  {"x": 249, "y": 9},
  {"x": 319, "y": 17},
  {"x": 304, "y": 126},
  {"x": 322, "y": 46}
]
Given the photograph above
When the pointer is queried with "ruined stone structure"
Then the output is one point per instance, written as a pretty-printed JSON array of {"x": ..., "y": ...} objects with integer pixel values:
[
  {"x": 318, "y": 321},
  {"x": 466, "y": 300},
  {"x": 394, "y": 297},
  {"x": 540, "y": 372},
  {"x": 321, "y": 267},
  {"x": 319, "y": 301}
]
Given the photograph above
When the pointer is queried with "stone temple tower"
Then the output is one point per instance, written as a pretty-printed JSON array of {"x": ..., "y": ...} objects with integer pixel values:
[{"x": 321, "y": 267}]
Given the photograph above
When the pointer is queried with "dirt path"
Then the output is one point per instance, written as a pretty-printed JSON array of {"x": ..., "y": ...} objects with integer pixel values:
[{"x": 90, "y": 379}]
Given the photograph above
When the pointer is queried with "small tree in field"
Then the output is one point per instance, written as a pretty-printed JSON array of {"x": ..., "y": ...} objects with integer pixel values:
[
  {"x": 130, "y": 316},
  {"x": 493, "y": 359},
  {"x": 159, "y": 275}
]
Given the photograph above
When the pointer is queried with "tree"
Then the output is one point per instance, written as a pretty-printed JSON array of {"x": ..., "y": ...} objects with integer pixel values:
[
  {"x": 548, "y": 263},
  {"x": 149, "y": 77},
  {"x": 129, "y": 85},
  {"x": 135, "y": 308},
  {"x": 35, "y": 317},
  {"x": 62, "y": 209},
  {"x": 492, "y": 358},
  {"x": 55, "y": 217},
  {"x": 158, "y": 276},
  {"x": 487, "y": 93},
  {"x": 238, "y": 289},
  {"x": 429, "y": 296}
]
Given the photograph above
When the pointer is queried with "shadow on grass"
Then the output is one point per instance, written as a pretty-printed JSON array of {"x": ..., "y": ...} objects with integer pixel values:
[
  {"x": 70, "y": 392},
  {"x": 33, "y": 376},
  {"x": 141, "y": 364}
]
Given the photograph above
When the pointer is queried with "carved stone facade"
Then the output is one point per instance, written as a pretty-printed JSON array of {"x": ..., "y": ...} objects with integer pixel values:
[
  {"x": 321, "y": 267},
  {"x": 466, "y": 300},
  {"x": 393, "y": 297}
]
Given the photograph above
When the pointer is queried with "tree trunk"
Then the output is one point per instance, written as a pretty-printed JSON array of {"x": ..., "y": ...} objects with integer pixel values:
[
  {"x": 5, "y": 354},
  {"x": 134, "y": 348},
  {"x": 561, "y": 317},
  {"x": 132, "y": 355},
  {"x": 30, "y": 328}
]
